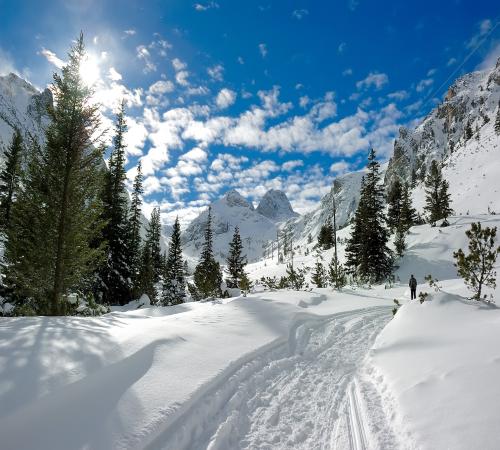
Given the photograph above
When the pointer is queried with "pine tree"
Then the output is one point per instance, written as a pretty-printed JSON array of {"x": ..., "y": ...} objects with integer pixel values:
[
  {"x": 116, "y": 272},
  {"x": 368, "y": 256},
  {"x": 325, "y": 236},
  {"x": 336, "y": 274},
  {"x": 437, "y": 197},
  {"x": 153, "y": 238},
  {"x": 318, "y": 277},
  {"x": 407, "y": 214},
  {"x": 399, "y": 240},
  {"x": 236, "y": 261},
  {"x": 468, "y": 130},
  {"x": 245, "y": 284},
  {"x": 135, "y": 227},
  {"x": 208, "y": 275},
  {"x": 146, "y": 276},
  {"x": 10, "y": 177},
  {"x": 394, "y": 201},
  {"x": 174, "y": 283},
  {"x": 58, "y": 212},
  {"x": 497, "y": 120},
  {"x": 477, "y": 268}
]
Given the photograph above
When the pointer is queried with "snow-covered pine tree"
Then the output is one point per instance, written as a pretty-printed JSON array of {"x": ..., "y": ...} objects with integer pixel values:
[
  {"x": 478, "y": 267},
  {"x": 437, "y": 198},
  {"x": 318, "y": 277},
  {"x": 368, "y": 256},
  {"x": 135, "y": 227},
  {"x": 115, "y": 275},
  {"x": 208, "y": 275},
  {"x": 497, "y": 120},
  {"x": 336, "y": 274},
  {"x": 236, "y": 261},
  {"x": 174, "y": 283},
  {"x": 10, "y": 177},
  {"x": 58, "y": 213},
  {"x": 394, "y": 202}
]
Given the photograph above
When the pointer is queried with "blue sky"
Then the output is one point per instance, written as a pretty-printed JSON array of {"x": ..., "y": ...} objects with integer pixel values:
[{"x": 258, "y": 94}]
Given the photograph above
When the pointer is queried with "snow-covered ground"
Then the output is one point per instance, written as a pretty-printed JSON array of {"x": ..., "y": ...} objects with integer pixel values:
[{"x": 308, "y": 370}]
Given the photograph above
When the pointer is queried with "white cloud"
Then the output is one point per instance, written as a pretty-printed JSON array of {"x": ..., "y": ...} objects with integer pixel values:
[
  {"x": 347, "y": 72},
  {"x": 135, "y": 137},
  {"x": 398, "y": 95},
  {"x": 263, "y": 50},
  {"x": 424, "y": 84},
  {"x": 292, "y": 164},
  {"x": 113, "y": 75},
  {"x": 225, "y": 98},
  {"x": 52, "y": 58},
  {"x": 304, "y": 101},
  {"x": 484, "y": 28},
  {"x": 216, "y": 72},
  {"x": 130, "y": 32},
  {"x": 241, "y": 60},
  {"x": 300, "y": 13},
  {"x": 182, "y": 78},
  {"x": 374, "y": 79},
  {"x": 340, "y": 167},
  {"x": 341, "y": 48},
  {"x": 196, "y": 154},
  {"x": 206, "y": 6},
  {"x": 178, "y": 64},
  {"x": 143, "y": 54},
  {"x": 6, "y": 63},
  {"x": 161, "y": 87},
  {"x": 451, "y": 61}
]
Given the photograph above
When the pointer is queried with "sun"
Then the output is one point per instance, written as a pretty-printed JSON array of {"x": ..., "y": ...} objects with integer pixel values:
[{"x": 89, "y": 70}]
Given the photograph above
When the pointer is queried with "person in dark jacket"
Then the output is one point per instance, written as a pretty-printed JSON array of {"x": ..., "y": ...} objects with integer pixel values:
[{"x": 413, "y": 287}]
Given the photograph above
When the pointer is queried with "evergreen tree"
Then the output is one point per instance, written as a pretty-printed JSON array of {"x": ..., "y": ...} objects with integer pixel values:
[
  {"x": 497, "y": 120},
  {"x": 318, "y": 277},
  {"x": 368, "y": 256},
  {"x": 135, "y": 227},
  {"x": 468, "y": 130},
  {"x": 399, "y": 240},
  {"x": 477, "y": 268},
  {"x": 153, "y": 238},
  {"x": 325, "y": 236},
  {"x": 208, "y": 275},
  {"x": 174, "y": 283},
  {"x": 245, "y": 284},
  {"x": 394, "y": 201},
  {"x": 10, "y": 177},
  {"x": 116, "y": 272},
  {"x": 336, "y": 274},
  {"x": 437, "y": 197},
  {"x": 407, "y": 214},
  {"x": 236, "y": 261},
  {"x": 146, "y": 276},
  {"x": 58, "y": 212},
  {"x": 295, "y": 278}
]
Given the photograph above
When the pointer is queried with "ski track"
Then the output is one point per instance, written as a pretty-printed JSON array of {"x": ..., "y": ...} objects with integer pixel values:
[{"x": 301, "y": 395}]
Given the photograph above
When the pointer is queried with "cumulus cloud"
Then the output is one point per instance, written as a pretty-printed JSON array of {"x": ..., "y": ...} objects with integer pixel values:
[
  {"x": 216, "y": 72},
  {"x": 339, "y": 167},
  {"x": 113, "y": 75},
  {"x": 225, "y": 98},
  {"x": 398, "y": 95},
  {"x": 374, "y": 79},
  {"x": 144, "y": 55},
  {"x": 292, "y": 164}
]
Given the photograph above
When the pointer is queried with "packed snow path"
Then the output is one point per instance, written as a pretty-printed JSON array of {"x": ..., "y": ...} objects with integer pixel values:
[{"x": 299, "y": 395}]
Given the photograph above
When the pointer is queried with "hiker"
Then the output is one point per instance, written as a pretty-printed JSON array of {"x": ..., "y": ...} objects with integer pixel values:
[{"x": 413, "y": 287}]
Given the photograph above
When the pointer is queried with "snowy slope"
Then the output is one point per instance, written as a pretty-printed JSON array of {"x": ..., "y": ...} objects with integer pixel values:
[{"x": 232, "y": 210}]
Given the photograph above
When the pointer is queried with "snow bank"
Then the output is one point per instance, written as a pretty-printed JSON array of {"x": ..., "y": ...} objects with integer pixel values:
[{"x": 437, "y": 365}]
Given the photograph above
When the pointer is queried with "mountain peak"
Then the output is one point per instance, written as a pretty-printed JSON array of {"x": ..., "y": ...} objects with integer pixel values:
[
  {"x": 276, "y": 206},
  {"x": 234, "y": 198}
]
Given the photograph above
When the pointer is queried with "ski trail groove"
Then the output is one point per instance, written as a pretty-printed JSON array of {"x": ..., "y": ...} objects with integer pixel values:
[{"x": 292, "y": 396}]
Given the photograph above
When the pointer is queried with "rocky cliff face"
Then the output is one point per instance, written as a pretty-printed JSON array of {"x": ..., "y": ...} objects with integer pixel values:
[
  {"x": 469, "y": 105},
  {"x": 23, "y": 107},
  {"x": 276, "y": 206}
]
